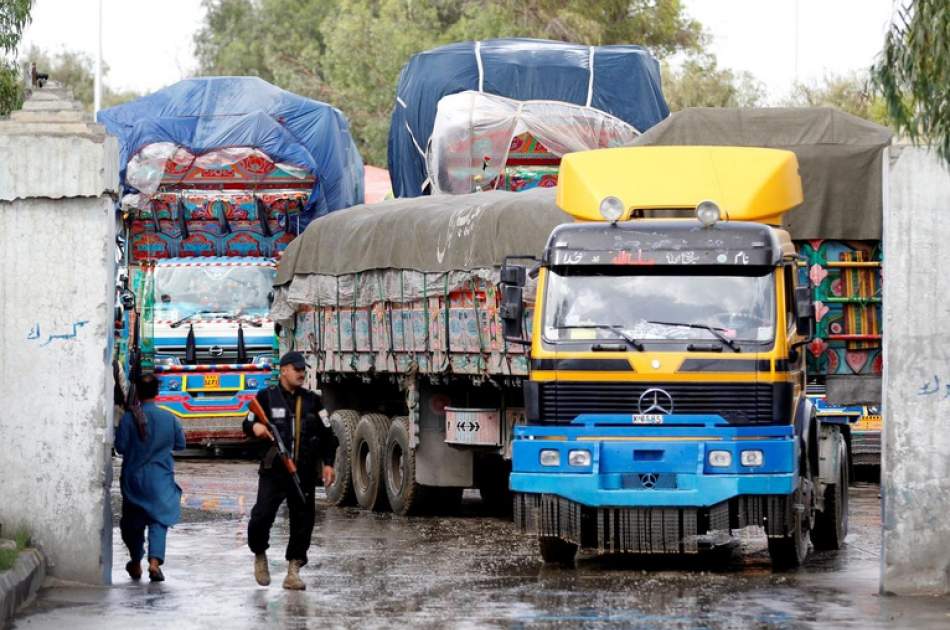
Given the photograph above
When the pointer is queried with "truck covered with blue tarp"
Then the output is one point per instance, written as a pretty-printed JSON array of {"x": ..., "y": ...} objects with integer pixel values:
[
  {"x": 499, "y": 114},
  {"x": 219, "y": 175},
  {"x": 208, "y": 113}
]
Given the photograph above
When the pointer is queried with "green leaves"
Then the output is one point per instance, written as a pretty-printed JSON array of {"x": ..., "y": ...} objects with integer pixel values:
[
  {"x": 913, "y": 73},
  {"x": 14, "y": 16}
]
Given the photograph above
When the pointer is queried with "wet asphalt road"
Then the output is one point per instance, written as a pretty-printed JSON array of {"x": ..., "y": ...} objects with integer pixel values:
[{"x": 466, "y": 571}]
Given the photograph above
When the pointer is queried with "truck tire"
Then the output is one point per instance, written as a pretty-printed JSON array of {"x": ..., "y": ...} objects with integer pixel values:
[
  {"x": 831, "y": 525},
  {"x": 405, "y": 494},
  {"x": 369, "y": 439},
  {"x": 790, "y": 551},
  {"x": 340, "y": 492},
  {"x": 557, "y": 551}
]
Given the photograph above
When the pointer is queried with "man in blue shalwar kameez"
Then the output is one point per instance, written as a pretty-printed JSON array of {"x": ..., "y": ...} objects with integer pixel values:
[{"x": 150, "y": 497}]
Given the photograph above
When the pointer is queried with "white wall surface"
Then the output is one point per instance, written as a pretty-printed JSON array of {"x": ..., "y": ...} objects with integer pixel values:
[
  {"x": 56, "y": 313},
  {"x": 916, "y": 449}
]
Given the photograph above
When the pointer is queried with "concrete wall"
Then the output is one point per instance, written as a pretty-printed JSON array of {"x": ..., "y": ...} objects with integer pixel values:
[
  {"x": 916, "y": 448},
  {"x": 57, "y": 235}
]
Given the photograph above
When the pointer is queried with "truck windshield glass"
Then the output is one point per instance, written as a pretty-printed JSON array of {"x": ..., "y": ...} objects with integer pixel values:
[
  {"x": 220, "y": 289},
  {"x": 659, "y": 306}
]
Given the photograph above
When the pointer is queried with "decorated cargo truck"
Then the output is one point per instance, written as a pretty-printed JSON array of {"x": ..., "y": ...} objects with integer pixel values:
[
  {"x": 500, "y": 114},
  {"x": 396, "y": 307},
  {"x": 843, "y": 161},
  {"x": 219, "y": 175}
]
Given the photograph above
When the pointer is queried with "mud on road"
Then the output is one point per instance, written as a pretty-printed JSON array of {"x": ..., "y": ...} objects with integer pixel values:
[{"x": 468, "y": 570}]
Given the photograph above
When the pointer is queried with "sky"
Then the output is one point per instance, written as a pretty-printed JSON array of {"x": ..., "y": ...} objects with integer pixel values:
[{"x": 148, "y": 44}]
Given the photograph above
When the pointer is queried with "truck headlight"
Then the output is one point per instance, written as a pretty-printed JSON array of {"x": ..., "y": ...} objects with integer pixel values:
[
  {"x": 578, "y": 458},
  {"x": 752, "y": 458},
  {"x": 550, "y": 457},
  {"x": 720, "y": 459},
  {"x": 708, "y": 213},
  {"x": 611, "y": 208}
]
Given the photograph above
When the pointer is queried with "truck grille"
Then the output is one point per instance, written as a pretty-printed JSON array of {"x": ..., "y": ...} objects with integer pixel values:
[
  {"x": 204, "y": 355},
  {"x": 740, "y": 403}
]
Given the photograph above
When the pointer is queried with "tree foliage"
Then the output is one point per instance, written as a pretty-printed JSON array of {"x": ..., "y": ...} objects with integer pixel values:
[
  {"x": 14, "y": 16},
  {"x": 699, "y": 82},
  {"x": 349, "y": 52},
  {"x": 913, "y": 73},
  {"x": 850, "y": 93}
]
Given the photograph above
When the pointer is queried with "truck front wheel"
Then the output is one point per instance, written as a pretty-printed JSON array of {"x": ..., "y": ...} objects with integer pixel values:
[
  {"x": 557, "y": 551},
  {"x": 789, "y": 551},
  {"x": 340, "y": 492},
  {"x": 369, "y": 441}
]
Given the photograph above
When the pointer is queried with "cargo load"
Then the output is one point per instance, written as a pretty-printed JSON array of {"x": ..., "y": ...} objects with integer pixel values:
[{"x": 500, "y": 114}]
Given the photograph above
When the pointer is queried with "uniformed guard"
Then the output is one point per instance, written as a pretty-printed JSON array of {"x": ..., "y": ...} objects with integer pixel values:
[{"x": 294, "y": 413}]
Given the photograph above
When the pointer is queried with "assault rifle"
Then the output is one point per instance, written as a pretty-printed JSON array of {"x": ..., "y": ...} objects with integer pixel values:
[
  {"x": 282, "y": 451},
  {"x": 132, "y": 402}
]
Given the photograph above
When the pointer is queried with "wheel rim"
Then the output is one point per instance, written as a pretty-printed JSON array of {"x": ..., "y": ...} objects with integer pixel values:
[
  {"x": 363, "y": 462},
  {"x": 395, "y": 472}
]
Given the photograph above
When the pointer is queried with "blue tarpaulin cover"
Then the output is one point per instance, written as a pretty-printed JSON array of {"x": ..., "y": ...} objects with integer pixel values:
[
  {"x": 622, "y": 80},
  {"x": 210, "y": 113}
]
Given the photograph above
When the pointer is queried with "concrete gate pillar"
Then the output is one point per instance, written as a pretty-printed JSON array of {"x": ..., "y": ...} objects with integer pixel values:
[
  {"x": 915, "y": 475},
  {"x": 57, "y": 291}
]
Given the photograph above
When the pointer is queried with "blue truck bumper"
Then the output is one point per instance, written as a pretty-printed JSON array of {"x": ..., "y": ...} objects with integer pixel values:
[
  {"x": 653, "y": 466},
  {"x": 605, "y": 484}
]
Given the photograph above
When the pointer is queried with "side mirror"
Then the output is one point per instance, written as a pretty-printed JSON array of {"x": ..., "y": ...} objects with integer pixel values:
[
  {"x": 270, "y": 298},
  {"x": 514, "y": 275},
  {"x": 512, "y": 312},
  {"x": 805, "y": 312}
]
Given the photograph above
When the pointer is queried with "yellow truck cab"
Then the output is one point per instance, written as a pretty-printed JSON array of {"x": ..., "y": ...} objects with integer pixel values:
[{"x": 666, "y": 395}]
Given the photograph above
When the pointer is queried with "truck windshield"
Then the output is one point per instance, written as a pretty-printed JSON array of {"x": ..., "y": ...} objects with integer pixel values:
[
  {"x": 659, "y": 306},
  {"x": 239, "y": 291}
]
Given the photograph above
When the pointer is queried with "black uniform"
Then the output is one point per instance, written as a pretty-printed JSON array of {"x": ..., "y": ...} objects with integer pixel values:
[{"x": 312, "y": 444}]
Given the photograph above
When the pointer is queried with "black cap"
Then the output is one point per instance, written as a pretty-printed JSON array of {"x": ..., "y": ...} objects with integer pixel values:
[{"x": 295, "y": 359}]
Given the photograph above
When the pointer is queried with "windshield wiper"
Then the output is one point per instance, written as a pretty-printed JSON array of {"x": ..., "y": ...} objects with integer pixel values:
[
  {"x": 184, "y": 319},
  {"x": 612, "y": 327},
  {"x": 240, "y": 318},
  {"x": 717, "y": 332}
]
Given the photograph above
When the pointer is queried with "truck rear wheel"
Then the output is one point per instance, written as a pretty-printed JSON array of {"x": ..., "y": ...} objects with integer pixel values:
[
  {"x": 831, "y": 525},
  {"x": 369, "y": 440},
  {"x": 790, "y": 551},
  {"x": 343, "y": 422},
  {"x": 405, "y": 494},
  {"x": 557, "y": 551}
]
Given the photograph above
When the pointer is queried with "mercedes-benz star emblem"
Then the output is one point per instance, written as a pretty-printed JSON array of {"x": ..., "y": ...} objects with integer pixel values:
[
  {"x": 216, "y": 351},
  {"x": 655, "y": 400},
  {"x": 648, "y": 480}
]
